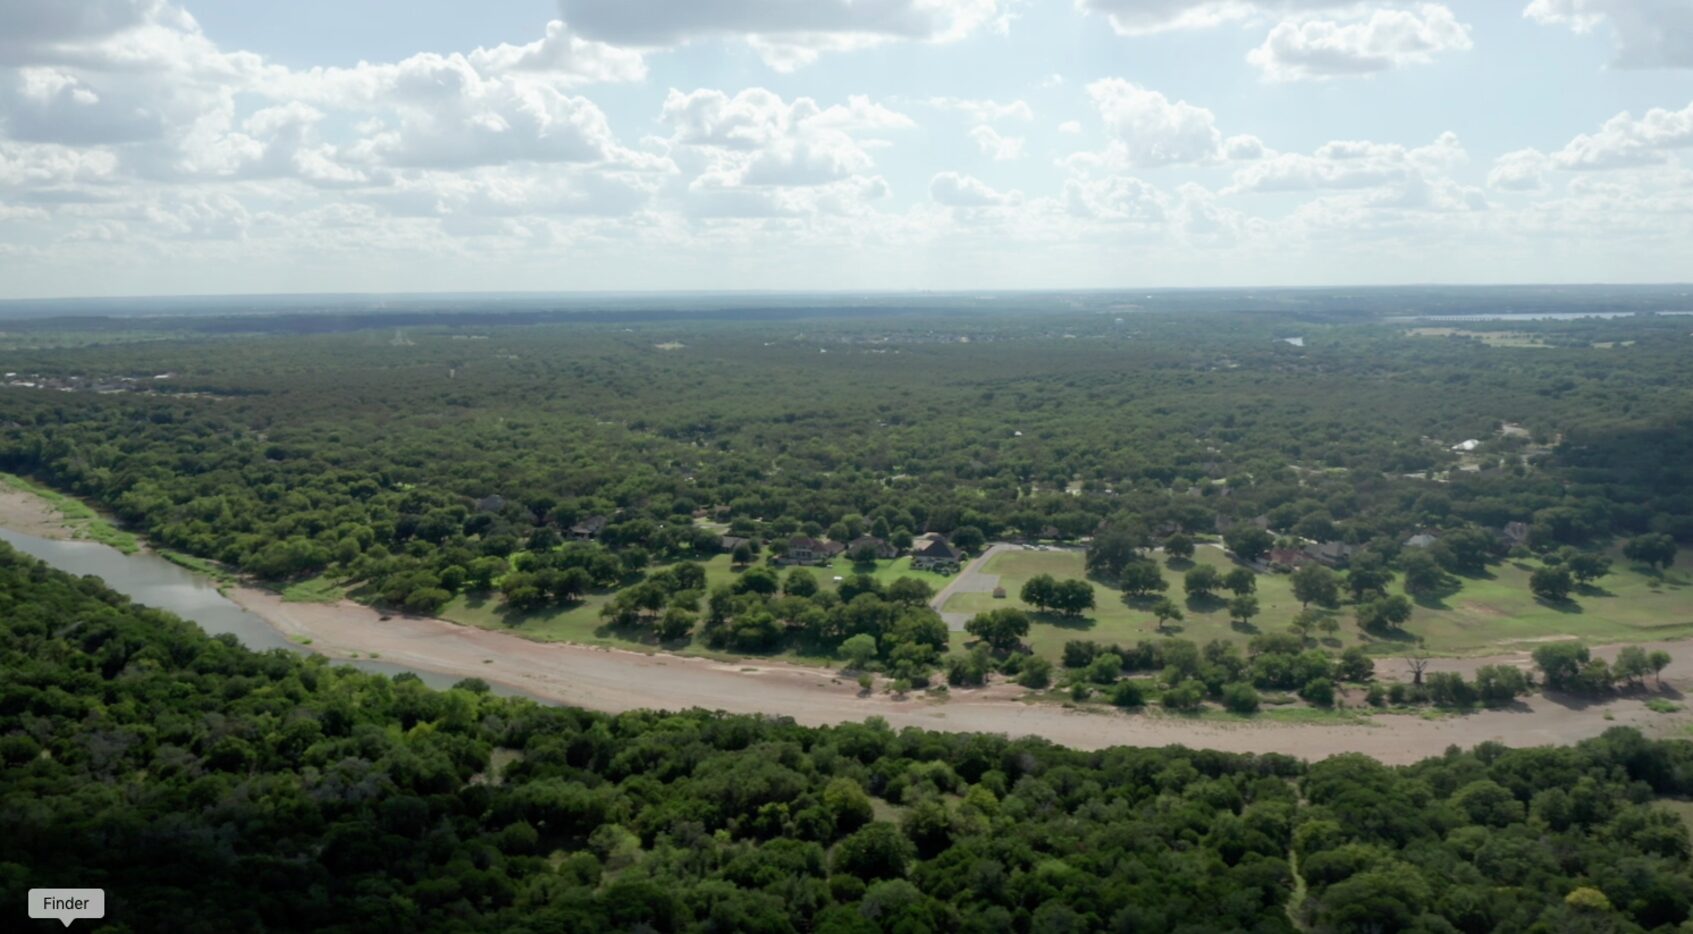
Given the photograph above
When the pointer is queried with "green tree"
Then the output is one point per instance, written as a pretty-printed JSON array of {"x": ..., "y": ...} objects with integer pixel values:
[
  {"x": 1632, "y": 664},
  {"x": 757, "y": 580},
  {"x": 1240, "y": 698},
  {"x": 909, "y": 591},
  {"x": 859, "y": 651},
  {"x": 1179, "y": 546},
  {"x": 1587, "y": 566},
  {"x": 1658, "y": 660},
  {"x": 1248, "y": 542},
  {"x": 1243, "y": 608},
  {"x": 1423, "y": 575},
  {"x": 1241, "y": 581},
  {"x": 1165, "y": 610},
  {"x": 1314, "y": 583},
  {"x": 1201, "y": 580},
  {"x": 1003, "y": 629},
  {"x": 800, "y": 583},
  {"x": 1140, "y": 578},
  {"x": 1113, "y": 549},
  {"x": 1552, "y": 584},
  {"x": 878, "y": 851},
  {"x": 1040, "y": 591},
  {"x": 1653, "y": 550}
]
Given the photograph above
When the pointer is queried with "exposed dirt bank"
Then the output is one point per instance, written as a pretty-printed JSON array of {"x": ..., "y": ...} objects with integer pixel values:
[{"x": 613, "y": 680}]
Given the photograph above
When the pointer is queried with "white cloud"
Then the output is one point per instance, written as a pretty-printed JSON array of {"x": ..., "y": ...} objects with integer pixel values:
[
  {"x": 1626, "y": 140},
  {"x": 985, "y": 111},
  {"x": 997, "y": 147},
  {"x": 785, "y": 33},
  {"x": 1142, "y": 17},
  {"x": 1386, "y": 39},
  {"x": 1070, "y": 127},
  {"x": 1115, "y": 198},
  {"x": 958, "y": 190},
  {"x": 1521, "y": 170},
  {"x": 1344, "y": 164},
  {"x": 756, "y": 154},
  {"x": 1148, "y": 129},
  {"x": 1648, "y": 33}
]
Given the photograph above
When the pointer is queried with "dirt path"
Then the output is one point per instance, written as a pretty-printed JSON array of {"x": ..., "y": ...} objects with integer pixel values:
[{"x": 969, "y": 580}]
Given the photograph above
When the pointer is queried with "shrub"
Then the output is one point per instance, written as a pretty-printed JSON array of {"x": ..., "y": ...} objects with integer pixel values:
[
  {"x": 1240, "y": 698},
  {"x": 1319, "y": 691}
]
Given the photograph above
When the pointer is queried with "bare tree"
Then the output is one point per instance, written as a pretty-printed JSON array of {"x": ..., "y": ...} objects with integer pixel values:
[{"x": 1418, "y": 664}]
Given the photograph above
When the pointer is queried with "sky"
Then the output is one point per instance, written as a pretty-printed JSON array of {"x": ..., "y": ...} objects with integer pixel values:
[{"x": 170, "y": 147}]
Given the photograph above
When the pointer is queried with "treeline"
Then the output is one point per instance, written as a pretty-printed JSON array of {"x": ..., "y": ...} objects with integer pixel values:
[
  {"x": 206, "y": 787},
  {"x": 415, "y": 467}
]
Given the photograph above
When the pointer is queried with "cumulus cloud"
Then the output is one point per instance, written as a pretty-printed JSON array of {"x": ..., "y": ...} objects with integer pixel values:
[
  {"x": 1521, "y": 170},
  {"x": 1386, "y": 39},
  {"x": 756, "y": 154},
  {"x": 785, "y": 33},
  {"x": 984, "y": 111},
  {"x": 1647, "y": 33},
  {"x": 997, "y": 147},
  {"x": 1148, "y": 129},
  {"x": 1626, "y": 141},
  {"x": 1350, "y": 164},
  {"x": 957, "y": 190},
  {"x": 1141, "y": 17}
]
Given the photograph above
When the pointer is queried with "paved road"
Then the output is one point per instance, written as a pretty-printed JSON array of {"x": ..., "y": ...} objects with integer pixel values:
[{"x": 969, "y": 580}]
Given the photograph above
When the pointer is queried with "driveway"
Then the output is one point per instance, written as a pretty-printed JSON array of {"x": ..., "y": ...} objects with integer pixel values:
[{"x": 969, "y": 580}]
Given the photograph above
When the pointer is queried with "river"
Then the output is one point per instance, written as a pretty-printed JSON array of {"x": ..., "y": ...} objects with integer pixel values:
[{"x": 152, "y": 581}]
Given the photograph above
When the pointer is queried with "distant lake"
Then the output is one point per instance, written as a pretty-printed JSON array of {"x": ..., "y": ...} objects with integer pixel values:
[{"x": 152, "y": 581}]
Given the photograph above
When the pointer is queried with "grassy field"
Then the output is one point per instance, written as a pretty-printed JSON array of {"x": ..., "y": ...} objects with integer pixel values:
[
  {"x": 1484, "y": 615},
  {"x": 582, "y": 623},
  {"x": 83, "y": 521}
]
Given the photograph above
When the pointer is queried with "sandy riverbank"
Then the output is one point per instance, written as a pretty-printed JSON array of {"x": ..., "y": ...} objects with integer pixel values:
[
  {"x": 25, "y": 512},
  {"x": 613, "y": 680}
]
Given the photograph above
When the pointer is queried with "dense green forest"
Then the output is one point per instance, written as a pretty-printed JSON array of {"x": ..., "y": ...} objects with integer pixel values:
[
  {"x": 209, "y": 788},
  {"x": 450, "y": 455}
]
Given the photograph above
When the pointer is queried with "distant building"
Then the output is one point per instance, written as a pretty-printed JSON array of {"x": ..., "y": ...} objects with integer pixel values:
[
  {"x": 1289, "y": 557},
  {"x": 1421, "y": 540},
  {"x": 1514, "y": 534},
  {"x": 1331, "y": 553},
  {"x": 936, "y": 555},
  {"x": 1465, "y": 447},
  {"x": 729, "y": 543},
  {"x": 884, "y": 550},
  {"x": 804, "y": 550},
  {"x": 589, "y": 529}
]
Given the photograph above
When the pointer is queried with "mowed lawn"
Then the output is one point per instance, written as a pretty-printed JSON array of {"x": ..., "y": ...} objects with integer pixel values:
[
  {"x": 582, "y": 623},
  {"x": 1485, "y": 614}
]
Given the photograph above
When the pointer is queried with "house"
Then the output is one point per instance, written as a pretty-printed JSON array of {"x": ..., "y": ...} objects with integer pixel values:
[
  {"x": 805, "y": 550},
  {"x": 588, "y": 529},
  {"x": 1421, "y": 540},
  {"x": 1288, "y": 557},
  {"x": 1331, "y": 553},
  {"x": 728, "y": 543},
  {"x": 937, "y": 555},
  {"x": 1514, "y": 534},
  {"x": 1465, "y": 447},
  {"x": 884, "y": 550}
]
